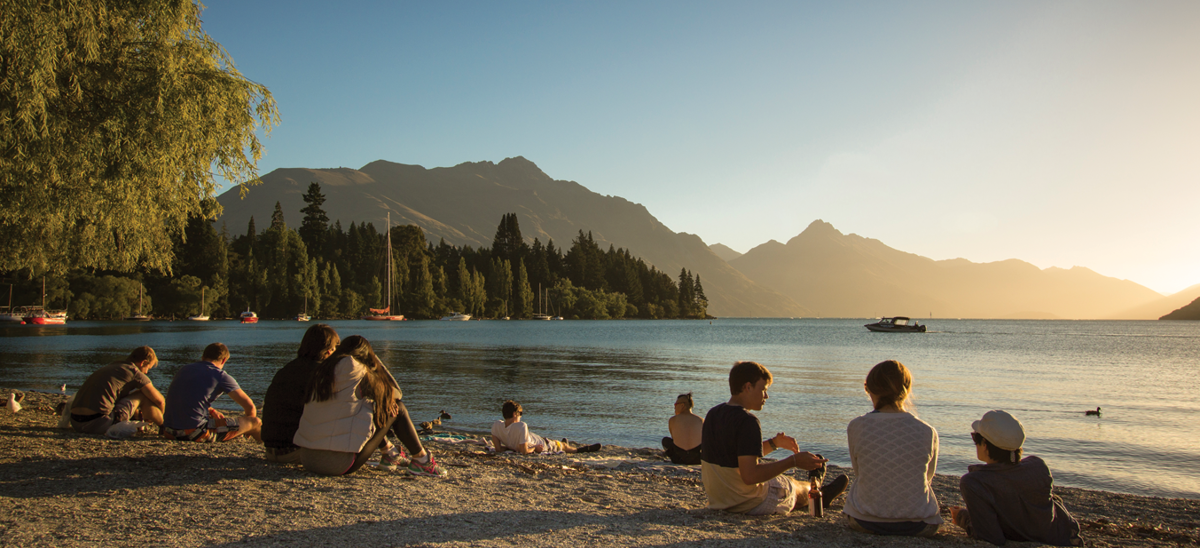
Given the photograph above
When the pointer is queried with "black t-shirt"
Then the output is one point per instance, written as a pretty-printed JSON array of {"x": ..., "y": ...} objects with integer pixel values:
[
  {"x": 284, "y": 402},
  {"x": 730, "y": 432}
]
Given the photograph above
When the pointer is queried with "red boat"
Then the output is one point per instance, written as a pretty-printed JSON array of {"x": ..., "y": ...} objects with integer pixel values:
[
  {"x": 40, "y": 316},
  {"x": 249, "y": 317}
]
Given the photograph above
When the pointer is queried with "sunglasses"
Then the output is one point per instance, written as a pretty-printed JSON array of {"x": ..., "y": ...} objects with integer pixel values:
[{"x": 977, "y": 438}]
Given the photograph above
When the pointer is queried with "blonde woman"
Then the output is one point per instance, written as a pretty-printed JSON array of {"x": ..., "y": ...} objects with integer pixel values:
[{"x": 894, "y": 455}]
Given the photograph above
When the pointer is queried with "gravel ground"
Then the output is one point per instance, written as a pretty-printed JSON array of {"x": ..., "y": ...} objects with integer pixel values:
[{"x": 60, "y": 488}]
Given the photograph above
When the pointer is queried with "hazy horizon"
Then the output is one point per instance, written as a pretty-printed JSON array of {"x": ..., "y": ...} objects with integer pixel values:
[{"x": 1062, "y": 134}]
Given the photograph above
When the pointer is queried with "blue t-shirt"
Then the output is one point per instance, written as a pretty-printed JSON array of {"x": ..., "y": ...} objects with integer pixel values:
[{"x": 192, "y": 391}]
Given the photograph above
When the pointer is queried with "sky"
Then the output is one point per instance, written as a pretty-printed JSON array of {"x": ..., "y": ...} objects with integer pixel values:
[{"x": 1059, "y": 133}]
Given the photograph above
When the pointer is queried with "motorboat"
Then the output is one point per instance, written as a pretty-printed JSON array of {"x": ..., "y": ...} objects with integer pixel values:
[
  {"x": 897, "y": 324},
  {"x": 456, "y": 317},
  {"x": 303, "y": 316},
  {"x": 249, "y": 317}
]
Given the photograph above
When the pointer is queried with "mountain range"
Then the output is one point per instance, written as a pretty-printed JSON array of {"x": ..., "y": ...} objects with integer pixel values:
[
  {"x": 463, "y": 205},
  {"x": 820, "y": 272}
]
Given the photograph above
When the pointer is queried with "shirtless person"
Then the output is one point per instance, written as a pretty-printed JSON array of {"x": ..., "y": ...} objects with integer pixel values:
[
  {"x": 117, "y": 392},
  {"x": 511, "y": 433},
  {"x": 686, "y": 428}
]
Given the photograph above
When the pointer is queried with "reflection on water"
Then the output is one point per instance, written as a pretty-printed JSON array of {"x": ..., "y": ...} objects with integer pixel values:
[{"x": 615, "y": 382}]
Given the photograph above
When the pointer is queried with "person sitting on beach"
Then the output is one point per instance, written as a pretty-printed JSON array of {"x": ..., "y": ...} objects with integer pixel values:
[
  {"x": 1010, "y": 498},
  {"x": 511, "y": 433},
  {"x": 894, "y": 455},
  {"x": 734, "y": 478},
  {"x": 117, "y": 392},
  {"x": 188, "y": 415},
  {"x": 685, "y": 428},
  {"x": 284, "y": 402},
  {"x": 352, "y": 403}
]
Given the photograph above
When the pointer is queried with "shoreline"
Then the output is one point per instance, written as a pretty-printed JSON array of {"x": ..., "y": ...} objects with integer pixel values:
[{"x": 61, "y": 488}]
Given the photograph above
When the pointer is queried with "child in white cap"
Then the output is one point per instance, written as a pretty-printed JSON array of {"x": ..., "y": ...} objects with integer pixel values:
[{"x": 1009, "y": 497}]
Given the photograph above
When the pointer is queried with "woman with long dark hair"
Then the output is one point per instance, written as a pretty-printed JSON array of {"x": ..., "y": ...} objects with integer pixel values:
[{"x": 353, "y": 402}]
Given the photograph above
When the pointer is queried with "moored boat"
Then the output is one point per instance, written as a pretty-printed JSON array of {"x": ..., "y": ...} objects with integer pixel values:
[
  {"x": 202, "y": 317},
  {"x": 139, "y": 317},
  {"x": 385, "y": 314},
  {"x": 249, "y": 317},
  {"x": 897, "y": 324},
  {"x": 456, "y": 317},
  {"x": 36, "y": 315}
]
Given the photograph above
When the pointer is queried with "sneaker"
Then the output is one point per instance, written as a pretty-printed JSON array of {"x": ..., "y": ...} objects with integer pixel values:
[
  {"x": 392, "y": 459},
  {"x": 588, "y": 448},
  {"x": 835, "y": 488},
  {"x": 430, "y": 468}
]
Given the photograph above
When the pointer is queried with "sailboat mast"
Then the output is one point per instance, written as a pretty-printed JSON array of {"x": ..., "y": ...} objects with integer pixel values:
[
  {"x": 43, "y": 292},
  {"x": 389, "y": 262}
]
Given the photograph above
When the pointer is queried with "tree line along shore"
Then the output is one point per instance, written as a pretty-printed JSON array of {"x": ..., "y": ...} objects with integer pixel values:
[
  {"x": 336, "y": 273},
  {"x": 61, "y": 488}
]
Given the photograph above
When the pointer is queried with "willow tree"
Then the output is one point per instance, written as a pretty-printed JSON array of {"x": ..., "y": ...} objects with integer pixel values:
[{"x": 115, "y": 118}]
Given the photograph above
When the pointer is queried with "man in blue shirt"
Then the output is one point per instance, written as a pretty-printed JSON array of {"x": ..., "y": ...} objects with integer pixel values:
[{"x": 188, "y": 415}]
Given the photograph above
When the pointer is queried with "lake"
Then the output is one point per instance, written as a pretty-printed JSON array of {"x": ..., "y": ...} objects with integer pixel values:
[{"x": 615, "y": 381}]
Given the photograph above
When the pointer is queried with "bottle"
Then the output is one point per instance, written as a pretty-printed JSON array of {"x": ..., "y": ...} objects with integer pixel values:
[{"x": 815, "y": 508}]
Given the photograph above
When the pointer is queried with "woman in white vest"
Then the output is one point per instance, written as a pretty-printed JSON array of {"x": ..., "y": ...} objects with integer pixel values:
[
  {"x": 353, "y": 402},
  {"x": 894, "y": 455}
]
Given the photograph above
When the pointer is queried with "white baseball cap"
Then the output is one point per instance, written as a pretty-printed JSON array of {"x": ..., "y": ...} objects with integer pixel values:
[{"x": 1002, "y": 429}]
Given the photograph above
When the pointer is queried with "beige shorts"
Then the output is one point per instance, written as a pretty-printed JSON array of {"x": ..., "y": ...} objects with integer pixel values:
[{"x": 781, "y": 497}]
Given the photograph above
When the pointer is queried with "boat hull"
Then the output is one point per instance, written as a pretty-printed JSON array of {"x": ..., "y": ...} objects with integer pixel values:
[
  {"x": 198, "y": 318},
  {"x": 895, "y": 328},
  {"x": 38, "y": 320},
  {"x": 385, "y": 318}
]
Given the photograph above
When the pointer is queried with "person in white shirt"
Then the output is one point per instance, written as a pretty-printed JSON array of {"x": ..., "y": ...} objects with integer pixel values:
[
  {"x": 513, "y": 434},
  {"x": 894, "y": 455}
]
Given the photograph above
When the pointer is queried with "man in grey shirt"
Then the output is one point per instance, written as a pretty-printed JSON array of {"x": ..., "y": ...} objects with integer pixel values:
[{"x": 116, "y": 392}]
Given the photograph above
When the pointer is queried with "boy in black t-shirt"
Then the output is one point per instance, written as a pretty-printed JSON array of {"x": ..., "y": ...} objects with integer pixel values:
[{"x": 732, "y": 445}]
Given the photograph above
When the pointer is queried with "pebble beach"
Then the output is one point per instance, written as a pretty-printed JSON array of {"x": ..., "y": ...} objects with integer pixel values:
[{"x": 61, "y": 488}]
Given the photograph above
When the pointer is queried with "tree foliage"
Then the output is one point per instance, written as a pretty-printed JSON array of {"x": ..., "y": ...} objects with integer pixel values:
[
  {"x": 115, "y": 118},
  {"x": 277, "y": 275}
]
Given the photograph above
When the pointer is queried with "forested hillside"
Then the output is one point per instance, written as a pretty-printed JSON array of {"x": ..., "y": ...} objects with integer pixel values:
[{"x": 340, "y": 272}]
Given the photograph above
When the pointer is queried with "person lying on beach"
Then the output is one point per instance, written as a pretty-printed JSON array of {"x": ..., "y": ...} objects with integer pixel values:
[
  {"x": 686, "y": 429},
  {"x": 735, "y": 480},
  {"x": 284, "y": 402},
  {"x": 1010, "y": 498},
  {"x": 188, "y": 415},
  {"x": 352, "y": 403},
  {"x": 511, "y": 433},
  {"x": 894, "y": 455},
  {"x": 118, "y": 392}
]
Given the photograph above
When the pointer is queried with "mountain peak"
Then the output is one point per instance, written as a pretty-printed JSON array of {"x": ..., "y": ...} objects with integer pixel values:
[{"x": 821, "y": 227}]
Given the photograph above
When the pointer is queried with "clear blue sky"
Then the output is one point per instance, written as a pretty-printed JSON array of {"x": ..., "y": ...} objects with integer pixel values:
[{"x": 1060, "y": 133}]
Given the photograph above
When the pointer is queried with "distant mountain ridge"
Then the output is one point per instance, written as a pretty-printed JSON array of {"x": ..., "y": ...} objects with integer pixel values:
[
  {"x": 463, "y": 204},
  {"x": 840, "y": 275},
  {"x": 820, "y": 272}
]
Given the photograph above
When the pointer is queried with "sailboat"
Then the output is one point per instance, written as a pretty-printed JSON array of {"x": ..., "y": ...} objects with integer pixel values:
[
  {"x": 7, "y": 314},
  {"x": 38, "y": 315},
  {"x": 139, "y": 317},
  {"x": 385, "y": 314},
  {"x": 303, "y": 317},
  {"x": 248, "y": 316},
  {"x": 541, "y": 315},
  {"x": 202, "y": 317}
]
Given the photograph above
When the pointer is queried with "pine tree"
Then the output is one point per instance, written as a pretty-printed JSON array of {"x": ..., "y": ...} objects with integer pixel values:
[{"x": 314, "y": 229}]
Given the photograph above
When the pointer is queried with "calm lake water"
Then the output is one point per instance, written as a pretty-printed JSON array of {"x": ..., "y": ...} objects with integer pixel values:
[{"x": 615, "y": 381}]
